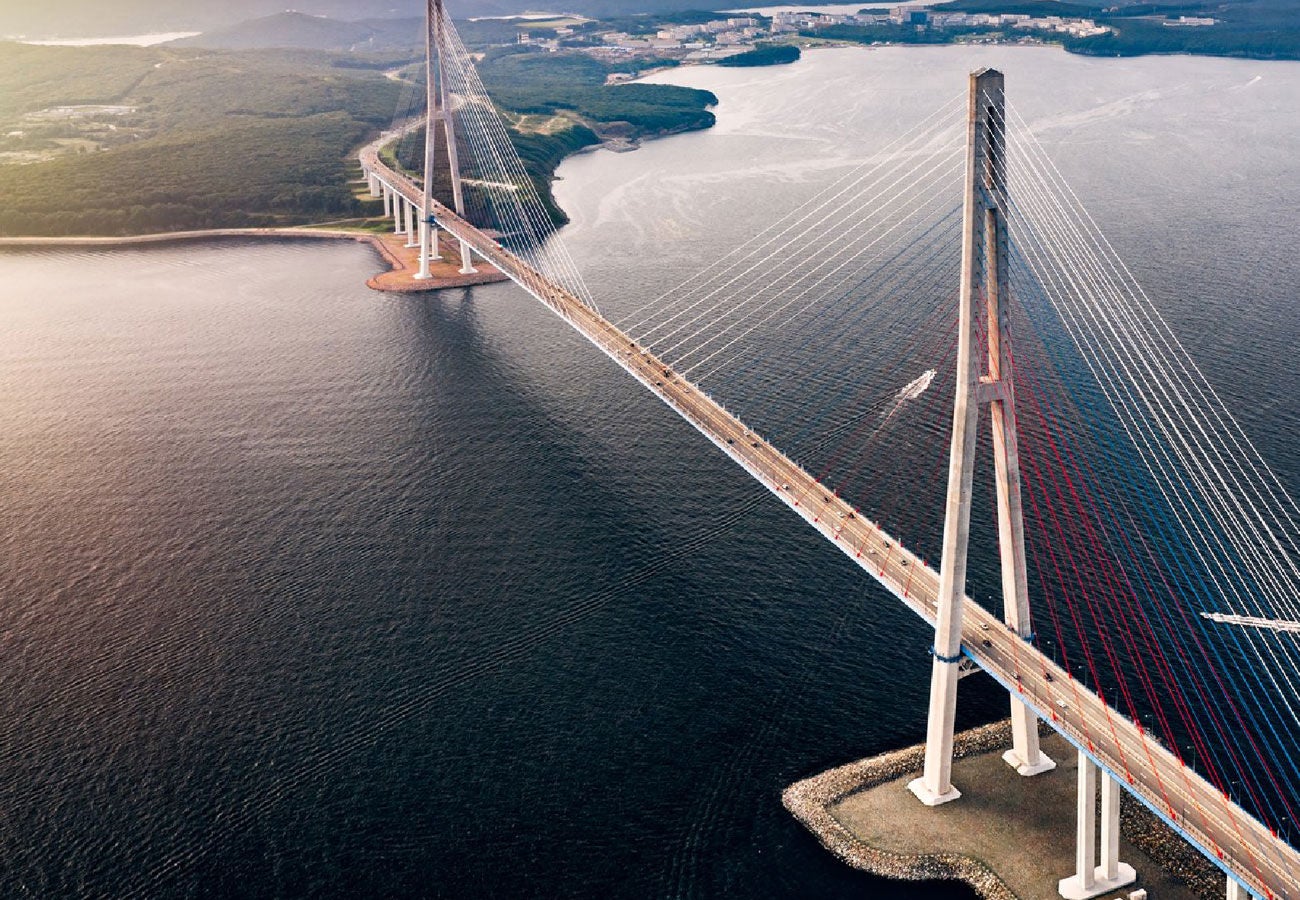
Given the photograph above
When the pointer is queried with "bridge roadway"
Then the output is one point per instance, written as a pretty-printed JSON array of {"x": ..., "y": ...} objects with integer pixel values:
[{"x": 1223, "y": 831}]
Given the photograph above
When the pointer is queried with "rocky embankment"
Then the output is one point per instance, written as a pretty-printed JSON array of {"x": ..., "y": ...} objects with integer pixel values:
[{"x": 812, "y": 800}]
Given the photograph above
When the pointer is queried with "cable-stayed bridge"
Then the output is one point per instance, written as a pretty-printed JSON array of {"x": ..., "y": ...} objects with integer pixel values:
[{"x": 1130, "y": 514}]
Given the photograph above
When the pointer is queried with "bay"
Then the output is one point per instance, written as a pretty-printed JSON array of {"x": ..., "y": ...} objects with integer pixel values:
[{"x": 312, "y": 591}]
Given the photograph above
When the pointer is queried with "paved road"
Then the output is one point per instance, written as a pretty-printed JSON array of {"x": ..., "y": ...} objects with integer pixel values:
[{"x": 1223, "y": 830}]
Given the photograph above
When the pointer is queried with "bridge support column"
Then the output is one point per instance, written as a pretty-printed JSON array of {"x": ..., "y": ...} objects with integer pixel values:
[
  {"x": 388, "y": 199},
  {"x": 984, "y": 275},
  {"x": 1236, "y": 891},
  {"x": 1025, "y": 756},
  {"x": 440, "y": 111},
  {"x": 412, "y": 232},
  {"x": 935, "y": 784},
  {"x": 428, "y": 247},
  {"x": 466, "y": 260},
  {"x": 399, "y": 226},
  {"x": 1092, "y": 879},
  {"x": 372, "y": 183}
]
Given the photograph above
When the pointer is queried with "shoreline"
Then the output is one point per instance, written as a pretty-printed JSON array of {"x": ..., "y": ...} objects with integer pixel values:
[
  {"x": 810, "y": 799},
  {"x": 177, "y": 237},
  {"x": 612, "y": 145},
  {"x": 397, "y": 279}
]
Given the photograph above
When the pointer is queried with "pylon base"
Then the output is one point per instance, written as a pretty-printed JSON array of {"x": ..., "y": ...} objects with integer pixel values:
[
  {"x": 1045, "y": 763},
  {"x": 1070, "y": 889},
  {"x": 928, "y": 797}
]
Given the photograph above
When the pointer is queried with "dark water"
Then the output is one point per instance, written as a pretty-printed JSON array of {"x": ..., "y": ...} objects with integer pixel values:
[{"x": 310, "y": 591}]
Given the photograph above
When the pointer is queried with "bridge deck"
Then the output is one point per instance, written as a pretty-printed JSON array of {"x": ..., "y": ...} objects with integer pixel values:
[{"x": 1224, "y": 831}]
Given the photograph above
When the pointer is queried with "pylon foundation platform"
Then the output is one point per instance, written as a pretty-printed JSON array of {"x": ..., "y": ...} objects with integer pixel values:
[
  {"x": 1008, "y": 836},
  {"x": 1071, "y": 889},
  {"x": 444, "y": 273}
]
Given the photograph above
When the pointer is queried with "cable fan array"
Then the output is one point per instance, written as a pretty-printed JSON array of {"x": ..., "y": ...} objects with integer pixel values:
[
  {"x": 1147, "y": 505},
  {"x": 500, "y": 197},
  {"x": 833, "y": 332}
]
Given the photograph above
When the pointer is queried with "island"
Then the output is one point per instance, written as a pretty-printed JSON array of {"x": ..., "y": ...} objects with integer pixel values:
[{"x": 256, "y": 124}]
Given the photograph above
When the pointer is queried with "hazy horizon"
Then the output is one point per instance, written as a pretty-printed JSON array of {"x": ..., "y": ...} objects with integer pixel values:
[{"x": 64, "y": 19}]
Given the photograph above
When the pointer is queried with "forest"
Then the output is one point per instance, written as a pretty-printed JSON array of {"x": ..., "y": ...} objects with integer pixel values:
[
  {"x": 559, "y": 104},
  {"x": 544, "y": 83},
  {"x": 123, "y": 140},
  {"x": 199, "y": 139}
]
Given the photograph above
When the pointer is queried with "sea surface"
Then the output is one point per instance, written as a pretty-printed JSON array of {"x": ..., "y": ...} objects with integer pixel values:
[{"x": 309, "y": 591}]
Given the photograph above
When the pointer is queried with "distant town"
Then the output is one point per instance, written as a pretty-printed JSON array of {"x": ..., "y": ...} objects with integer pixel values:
[
  {"x": 724, "y": 37},
  {"x": 1257, "y": 30},
  {"x": 109, "y": 140}
]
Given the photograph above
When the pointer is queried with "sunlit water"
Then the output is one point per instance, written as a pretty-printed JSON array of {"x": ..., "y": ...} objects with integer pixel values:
[
  {"x": 312, "y": 591},
  {"x": 133, "y": 40}
]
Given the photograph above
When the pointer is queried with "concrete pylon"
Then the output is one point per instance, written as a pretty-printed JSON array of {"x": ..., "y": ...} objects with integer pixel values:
[
  {"x": 1092, "y": 878},
  {"x": 983, "y": 277},
  {"x": 438, "y": 112}
]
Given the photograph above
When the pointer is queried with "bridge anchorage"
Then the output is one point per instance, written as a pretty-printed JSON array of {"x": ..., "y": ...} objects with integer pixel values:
[{"x": 1114, "y": 748}]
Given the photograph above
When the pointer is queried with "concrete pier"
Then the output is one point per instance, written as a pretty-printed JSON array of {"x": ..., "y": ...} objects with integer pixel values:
[
  {"x": 1009, "y": 837},
  {"x": 1091, "y": 879},
  {"x": 412, "y": 227}
]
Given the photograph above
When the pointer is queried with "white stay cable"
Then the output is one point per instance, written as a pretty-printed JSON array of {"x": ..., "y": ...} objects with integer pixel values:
[
  {"x": 1198, "y": 537},
  {"x": 797, "y": 216},
  {"x": 1184, "y": 428}
]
